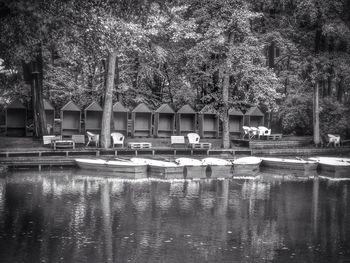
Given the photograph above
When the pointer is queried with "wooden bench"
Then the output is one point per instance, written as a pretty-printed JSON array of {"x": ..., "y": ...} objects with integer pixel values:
[
  {"x": 47, "y": 139},
  {"x": 177, "y": 141},
  {"x": 345, "y": 142},
  {"x": 63, "y": 144},
  {"x": 140, "y": 145},
  {"x": 201, "y": 145},
  {"x": 277, "y": 136},
  {"x": 78, "y": 138}
]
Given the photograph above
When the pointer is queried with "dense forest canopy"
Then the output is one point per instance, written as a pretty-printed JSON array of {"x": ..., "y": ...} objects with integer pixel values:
[{"x": 224, "y": 54}]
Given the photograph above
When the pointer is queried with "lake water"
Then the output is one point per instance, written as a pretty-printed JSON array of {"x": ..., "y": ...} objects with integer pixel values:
[{"x": 66, "y": 216}]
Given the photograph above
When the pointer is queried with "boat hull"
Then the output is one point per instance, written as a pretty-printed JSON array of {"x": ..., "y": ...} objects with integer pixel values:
[
  {"x": 161, "y": 169},
  {"x": 129, "y": 171},
  {"x": 193, "y": 168},
  {"x": 246, "y": 169},
  {"x": 334, "y": 167},
  {"x": 162, "y": 172},
  {"x": 286, "y": 174},
  {"x": 246, "y": 166},
  {"x": 219, "y": 171},
  {"x": 289, "y": 164},
  {"x": 195, "y": 172},
  {"x": 335, "y": 171},
  {"x": 218, "y": 168}
]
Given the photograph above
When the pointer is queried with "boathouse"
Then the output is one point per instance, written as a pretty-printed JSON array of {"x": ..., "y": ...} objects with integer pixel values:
[
  {"x": 93, "y": 118},
  {"x": 186, "y": 120},
  {"x": 235, "y": 121},
  {"x": 254, "y": 117},
  {"x": 142, "y": 121},
  {"x": 70, "y": 119},
  {"x": 120, "y": 119},
  {"x": 164, "y": 121},
  {"x": 208, "y": 123},
  {"x": 16, "y": 119},
  {"x": 50, "y": 116}
]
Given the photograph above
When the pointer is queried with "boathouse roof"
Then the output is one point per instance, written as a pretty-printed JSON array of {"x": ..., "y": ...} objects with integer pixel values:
[
  {"x": 208, "y": 110},
  {"x": 186, "y": 109},
  {"x": 235, "y": 112},
  {"x": 94, "y": 106},
  {"x": 70, "y": 106},
  {"x": 254, "y": 111},
  {"x": 119, "y": 107},
  {"x": 165, "y": 108},
  {"x": 142, "y": 107},
  {"x": 16, "y": 104},
  {"x": 48, "y": 105}
]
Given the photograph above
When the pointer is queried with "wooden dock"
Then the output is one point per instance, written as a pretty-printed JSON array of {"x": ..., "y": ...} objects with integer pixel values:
[
  {"x": 270, "y": 144},
  {"x": 304, "y": 151},
  {"x": 65, "y": 157}
]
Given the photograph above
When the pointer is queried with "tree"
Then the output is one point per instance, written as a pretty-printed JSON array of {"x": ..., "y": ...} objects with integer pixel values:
[
  {"x": 228, "y": 61},
  {"x": 25, "y": 28}
]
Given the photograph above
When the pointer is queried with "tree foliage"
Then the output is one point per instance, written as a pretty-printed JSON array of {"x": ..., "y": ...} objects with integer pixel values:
[{"x": 214, "y": 52}]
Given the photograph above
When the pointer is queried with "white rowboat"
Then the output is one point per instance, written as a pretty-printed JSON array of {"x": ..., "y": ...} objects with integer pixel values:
[
  {"x": 161, "y": 169},
  {"x": 193, "y": 168},
  {"x": 218, "y": 168},
  {"x": 248, "y": 166},
  {"x": 333, "y": 167},
  {"x": 119, "y": 168}
]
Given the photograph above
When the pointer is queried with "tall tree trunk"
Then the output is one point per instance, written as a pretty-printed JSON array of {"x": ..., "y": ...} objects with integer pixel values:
[
  {"x": 108, "y": 101},
  {"x": 225, "y": 117},
  {"x": 316, "y": 120},
  {"x": 329, "y": 84},
  {"x": 340, "y": 90},
  {"x": 40, "y": 126},
  {"x": 33, "y": 75},
  {"x": 271, "y": 57}
]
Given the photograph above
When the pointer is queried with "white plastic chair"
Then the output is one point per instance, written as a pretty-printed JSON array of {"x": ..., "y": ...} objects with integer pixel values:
[
  {"x": 335, "y": 139},
  {"x": 193, "y": 138},
  {"x": 246, "y": 131},
  {"x": 117, "y": 139},
  {"x": 93, "y": 138},
  {"x": 254, "y": 132},
  {"x": 264, "y": 131}
]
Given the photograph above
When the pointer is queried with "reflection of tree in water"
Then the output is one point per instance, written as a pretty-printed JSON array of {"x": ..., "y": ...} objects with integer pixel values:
[
  {"x": 81, "y": 218},
  {"x": 257, "y": 233},
  {"x": 2, "y": 194},
  {"x": 334, "y": 213}
]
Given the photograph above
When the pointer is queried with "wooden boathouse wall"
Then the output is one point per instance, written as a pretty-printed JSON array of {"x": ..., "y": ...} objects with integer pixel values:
[
  {"x": 70, "y": 119},
  {"x": 164, "y": 121},
  {"x": 142, "y": 121},
  {"x": 120, "y": 119},
  {"x": 186, "y": 120},
  {"x": 208, "y": 123},
  {"x": 93, "y": 118},
  {"x": 254, "y": 117},
  {"x": 235, "y": 122},
  {"x": 16, "y": 119}
]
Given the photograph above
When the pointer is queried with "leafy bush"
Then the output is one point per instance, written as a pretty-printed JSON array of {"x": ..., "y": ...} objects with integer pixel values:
[
  {"x": 296, "y": 115},
  {"x": 334, "y": 117}
]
